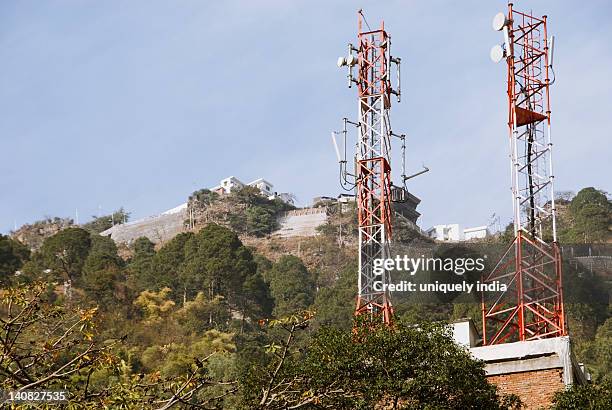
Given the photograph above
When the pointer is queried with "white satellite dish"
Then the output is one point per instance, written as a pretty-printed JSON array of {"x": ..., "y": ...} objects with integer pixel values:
[
  {"x": 499, "y": 21},
  {"x": 351, "y": 60},
  {"x": 497, "y": 53},
  {"x": 341, "y": 61}
]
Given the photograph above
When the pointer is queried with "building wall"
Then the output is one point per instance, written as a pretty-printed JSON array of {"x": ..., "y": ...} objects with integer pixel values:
[
  {"x": 535, "y": 388},
  {"x": 449, "y": 232},
  {"x": 479, "y": 232}
]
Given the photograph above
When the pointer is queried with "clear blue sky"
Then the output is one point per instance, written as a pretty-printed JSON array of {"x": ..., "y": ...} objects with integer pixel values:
[{"x": 138, "y": 103}]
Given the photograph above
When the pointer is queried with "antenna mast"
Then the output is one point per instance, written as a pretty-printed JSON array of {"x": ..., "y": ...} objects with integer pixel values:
[
  {"x": 372, "y": 174},
  {"x": 532, "y": 306}
]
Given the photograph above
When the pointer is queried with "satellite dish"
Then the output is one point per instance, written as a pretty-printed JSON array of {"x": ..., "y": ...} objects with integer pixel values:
[
  {"x": 497, "y": 53},
  {"x": 351, "y": 60},
  {"x": 341, "y": 61},
  {"x": 499, "y": 21}
]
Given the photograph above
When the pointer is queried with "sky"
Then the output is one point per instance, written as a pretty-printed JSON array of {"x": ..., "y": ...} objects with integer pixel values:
[{"x": 139, "y": 103}]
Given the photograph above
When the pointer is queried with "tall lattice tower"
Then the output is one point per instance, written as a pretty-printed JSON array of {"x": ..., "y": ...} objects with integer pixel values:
[
  {"x": 532, "y": 306},
  {"x": 372, "y": 174}
]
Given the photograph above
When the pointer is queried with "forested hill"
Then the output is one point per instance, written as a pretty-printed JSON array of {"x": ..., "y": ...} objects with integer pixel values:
[{"x": 222, "y": 318}]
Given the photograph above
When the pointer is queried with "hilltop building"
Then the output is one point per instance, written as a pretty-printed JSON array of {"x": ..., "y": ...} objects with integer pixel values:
[
  {"x": 266, "y": 188},
  {"x": 454, "y": 233}
]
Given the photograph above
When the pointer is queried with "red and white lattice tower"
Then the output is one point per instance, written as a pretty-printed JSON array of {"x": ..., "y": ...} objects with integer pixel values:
[
  {"x": 532, "y": 306},
  {"x": 373, "y": 165}
]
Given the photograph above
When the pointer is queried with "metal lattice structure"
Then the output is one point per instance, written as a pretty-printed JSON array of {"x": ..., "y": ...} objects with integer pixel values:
[
  {"x": 373, "y": 185},
  {"x": 532, "y": 305}
]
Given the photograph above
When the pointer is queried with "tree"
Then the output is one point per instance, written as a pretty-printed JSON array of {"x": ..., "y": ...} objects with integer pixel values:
[
  {"x": 13, "y": 255},
  {"x": 257, "y": 299},
  {"x": 65, "y": 252},
  {"x": 166, "y": 265},
  {"x": 260, "y": 221},
  {"x": 103, "y": 278},
  {"x": 333, "y": 304},
  {"x": 47, "y": 346},
  {"x": 596, "y": 396},
  {"x": 591, "y": 216},
  {"x": 291, "y": 285},
  {"x": 403, "y": 366},
  {"x": 140, "y": 266},
  {"x": 216, "y": 262},
  {"x": 104, "y": 222},
  {"x": 204, "y": 196}
]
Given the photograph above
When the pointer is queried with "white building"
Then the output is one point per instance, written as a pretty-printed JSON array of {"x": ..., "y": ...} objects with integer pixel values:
[
  {"x": 266, "y": 188},
  {"x": 478, "y": 232},
  {"x": 228, "y": 184},
  {"x": 449, "y": 232},
  {"x": 454, "y": 232}
]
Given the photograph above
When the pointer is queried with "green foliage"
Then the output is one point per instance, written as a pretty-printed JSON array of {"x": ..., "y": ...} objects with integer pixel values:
[
  {"x": 199, "y": 314},
  {"x": 597, "y": 396},
  {"x": 590, "y": 214},
  {"x": 291, "y": 285},
  {"x": 334, "y": 304},
  {"x": 47, "y": 346},
  {"x": 104, "y": 222},
  {"x": 155, "y": 305},
  {"x": 140, "y": 266},
  {"x": 260, "y": 221},
  {"x": 254, "y": 214},
  {"x": 13, "y": 255},
  {"x": 176, "y": 358},
  {"x": 204, "y": 196},
  {"x": 216, "y": 261},
  {"x": 597, "y": 353},
  {"x": 103, "y": 277},
  {"x": 404, "y": 365},
  {"x": 166, "y": 264},
  {"x": 65, "y": 253}
]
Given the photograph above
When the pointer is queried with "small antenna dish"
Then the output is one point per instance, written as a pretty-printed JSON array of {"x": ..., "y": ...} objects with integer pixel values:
[
  {"x": 497, "y": 53},
  {"x": 341, "y": 62},
  {"x": 351, "y": 60},
  {"x": 499, "y": 21}
]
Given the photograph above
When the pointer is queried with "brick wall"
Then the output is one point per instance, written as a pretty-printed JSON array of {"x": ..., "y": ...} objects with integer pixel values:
[{"x": 535, "y": 388}]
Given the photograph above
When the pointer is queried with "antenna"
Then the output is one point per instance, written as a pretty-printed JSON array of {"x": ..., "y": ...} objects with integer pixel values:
[
  {"x": 333, "y": 135},
  {"x": 531, "y": 306},
  {"x": 552, "y": 51}
]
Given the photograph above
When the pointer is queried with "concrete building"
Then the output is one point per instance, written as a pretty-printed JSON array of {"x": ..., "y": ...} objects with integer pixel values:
[
  {"x": 264, "y": 186},
  {"x": 533, "y": 370},
  {"x": 227, "y": 185},
  {"x": 449, "y": 232},
  {"x": 454, "y": 233}
]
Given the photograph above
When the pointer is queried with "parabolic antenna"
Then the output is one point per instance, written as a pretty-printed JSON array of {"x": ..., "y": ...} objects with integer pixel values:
[
  {"x": 497, "y": 53},
  {"x": 341, "y": 61},
  {"x": 351, "y": 60},
  {"x": 499, "y": 21}
]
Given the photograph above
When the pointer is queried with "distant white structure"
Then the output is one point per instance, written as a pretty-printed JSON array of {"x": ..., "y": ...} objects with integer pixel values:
[
  {"x": 266, "y": 188},
  {"x": 449, "y": 232},
  {"x": 227, "y": 185},
  {"x": 478, "y": 232},
  {"x": 454, "y": 233}
]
